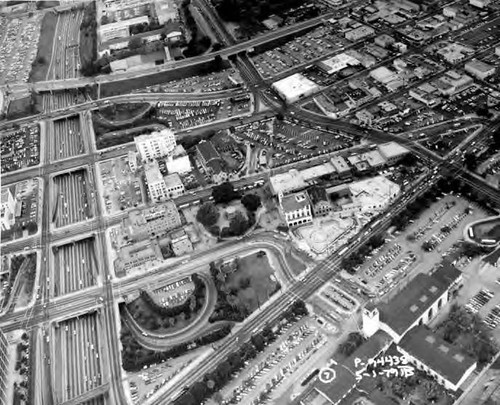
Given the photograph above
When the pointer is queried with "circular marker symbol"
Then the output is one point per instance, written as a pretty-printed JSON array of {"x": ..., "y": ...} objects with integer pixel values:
[{"x": 327, "y": 375}]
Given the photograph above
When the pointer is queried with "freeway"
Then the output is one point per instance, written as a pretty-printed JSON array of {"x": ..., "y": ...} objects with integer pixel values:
[
  {"x": 173, "y": 65},
  {"x": 129, "y": 98}
]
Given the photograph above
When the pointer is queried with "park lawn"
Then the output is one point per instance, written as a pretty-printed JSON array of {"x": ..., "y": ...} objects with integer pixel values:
[
  {"x": 47, "y": 34},
  {"x": 124, "y": 111},
  {"x": 259, "y": 271}
]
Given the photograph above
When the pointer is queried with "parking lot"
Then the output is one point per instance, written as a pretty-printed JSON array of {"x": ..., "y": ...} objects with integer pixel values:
[
  {"x": 18, "y": 46},
  {"x": 28, "y": 195},
  {"x": 72, "y": 202},
  {"x": 75, "y": 266},
  {"x": 280, "y": 362},
  {"x": 187, "y": 114},
  {"x": 67, "y": 140},
  {"x": 122, "y": 188},
  {"x": 173, "y": 294},
  {"x": 217, "y": 81},
  {"x": 77, "y": 362},
  {"x": 20, "y": 149},
  {"x": 287, "y": 142},
  {"x": 424, "y": 244}
]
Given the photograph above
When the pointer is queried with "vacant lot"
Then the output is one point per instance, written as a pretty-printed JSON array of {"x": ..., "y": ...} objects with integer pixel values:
[{"x": 44, "y": 55}]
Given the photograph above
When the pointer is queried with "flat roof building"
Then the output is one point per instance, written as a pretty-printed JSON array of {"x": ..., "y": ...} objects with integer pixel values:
[
  {"x": 287, "y": 182},
  {"x": 337, "y": 63},
  {"x": 392, "y": 152},
  {"x": 156, "y": 184},
  {"x": 120, "y": 29},
  {"x": 358, "y": 33},
  {"x": 174, "y": 185},
  {"x": 296, "y": 208},
  {"x": 479, "y": 69},
  {"x": 156, "y": 144},
  {"x": 295, "y": 87}
]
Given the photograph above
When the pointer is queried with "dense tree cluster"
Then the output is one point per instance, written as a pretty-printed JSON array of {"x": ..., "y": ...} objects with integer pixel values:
[
  {"x": 251, "y": 202},
  {"x": 213, "y": 381},
  {"x": 353, "y": 341},
  {"x": 224, "y": 193},
  {"x": 196, "y": 46},
  {"x": 358, "y": 257},
  {"x": 480, "y": 344},
  {"x": 208, "y": 214},
  {"x": 88, "y": 38},
  {"x": 135, "y": 357}
]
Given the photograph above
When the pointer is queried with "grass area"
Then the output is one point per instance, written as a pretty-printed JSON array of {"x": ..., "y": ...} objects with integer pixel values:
[
  {"x": 46, "y": 4},
  {"x": 41, "y": 63},
  {"x": 24, "y": 107},
  {"x": 488, "y": 230},
  {"x": 257, "y": 270},
  {"x": 125, "y": 86},
  {"x": 125, "y": 111}
]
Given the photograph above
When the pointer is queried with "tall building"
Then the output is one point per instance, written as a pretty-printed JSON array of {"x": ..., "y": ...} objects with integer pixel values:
[
  {"x": 156, "y": 144},
  {"x": 156, "y": 184},
  {"x": 4, "y": 369},
  {"x": 296, "y": 208}
]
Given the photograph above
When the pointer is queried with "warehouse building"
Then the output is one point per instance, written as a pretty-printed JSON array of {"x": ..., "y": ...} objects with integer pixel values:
[{"x": 295, "y": 87}]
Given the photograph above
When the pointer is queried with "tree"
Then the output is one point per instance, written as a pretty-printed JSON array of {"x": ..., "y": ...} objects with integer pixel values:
[
  {"x": 104, "y": 20},
  {"x": 135, "y": 43},
  {"x": 238, "y": 225},
  {"x": 251, "y": 202},
  {"x": 208, "y": 214},
  {"x": 224, "y": 193}
]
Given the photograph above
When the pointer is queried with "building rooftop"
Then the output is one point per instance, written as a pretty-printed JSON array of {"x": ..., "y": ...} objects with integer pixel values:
[
  {"x": 340, "y": 164},
  {"x": 295, "y": 86},
  {"x": 317, "y": 194},
  {"x": 294, "y": 202},
  {"x": 436, "y": 353},
  {"x": 152, "y": 170},
  {"x": 413, "y": 300},
  {"x": 286, "y": 182},
  {"x": 374, "y": 158},
  {"x": 392, "y": 149},
  {"x": 172, "y": 180},
  {"x": 314, "y": 172},
  {"x": 207, "y": 151},
  {"x": 479, "y": 65}
]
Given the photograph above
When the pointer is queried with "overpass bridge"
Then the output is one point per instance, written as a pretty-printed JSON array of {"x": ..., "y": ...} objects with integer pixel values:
[
  {"x": 87, "y": 396},
  {"x": 245, "y": 46}
]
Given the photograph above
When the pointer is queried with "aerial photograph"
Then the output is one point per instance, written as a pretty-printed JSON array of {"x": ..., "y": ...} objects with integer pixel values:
[{"x": 218, "y": 202}]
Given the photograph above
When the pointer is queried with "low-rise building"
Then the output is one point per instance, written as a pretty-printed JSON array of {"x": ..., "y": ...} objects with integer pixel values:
[
  {"x": 156, "y": 144},
  {"x": 174, "y": 185},
  {"x": 453, "y": 82},
  {"x": 156, "y": 184},
  {"x": 132, "y": 160},
  {"x": 336, "y": 63},
  {"x": 120, "y": 29},
  {"x": 295, "y": 87},
  {"x": 321, "y": 205},
  {"x": 479, "y": 69},
  {"x": 361, "y": 32},
  {"x": 341, "y": 166},
  {"x": 178, "y": 161},
  {"x": 288, "y": 182},
  {"x": 384, "y": 40},
  {"x": 211, "y": 161},
  {"x": 180, "y": 242},
  {"x": 152, "y": 222},
  {"x": 480, "y": 3},
  {"x": 392, "y": 152},
  {"x": 296, "y": 208}
]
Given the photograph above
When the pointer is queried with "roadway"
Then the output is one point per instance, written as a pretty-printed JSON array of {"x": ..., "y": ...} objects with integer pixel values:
[{"x": 173, "y": 65}]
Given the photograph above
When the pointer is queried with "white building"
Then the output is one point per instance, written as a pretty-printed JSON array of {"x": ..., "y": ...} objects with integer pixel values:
[
  {"x": 120, "y": 29},
  {"x": 479, "y": 3},
  {"x": 337, "y": 63},
  {"x": 7, "y": 209},
  {"x": 166, "y": 10},
  {"x": 296, "y": 208},
  {"x": 479, "y": 69},
  {"x": 178, "y": 161},
  {"x": 156, "y": 184},
  {"x": 295, "y": 87},
  {"x": 358, "y": 33},
  {"x": 8, "y": 200},
  {"x": 132, "y": 160},
  {"x": 174, "y": 185},
  {"x": 155, "y": 145},
  {"x": 392, "y": 152}
]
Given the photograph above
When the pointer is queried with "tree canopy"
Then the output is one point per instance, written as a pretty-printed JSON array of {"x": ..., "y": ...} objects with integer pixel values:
[
  {"x": 251, "y": 202},
  {"x": 224, "y": 193},
  {"x": 208, "y": 214}
]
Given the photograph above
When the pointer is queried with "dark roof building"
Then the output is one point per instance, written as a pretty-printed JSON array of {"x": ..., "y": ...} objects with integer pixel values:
[{"x": 449, "y": 365}]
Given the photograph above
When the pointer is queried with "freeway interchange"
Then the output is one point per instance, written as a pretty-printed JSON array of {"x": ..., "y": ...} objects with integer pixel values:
[{"x": 86, "y": 309}]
